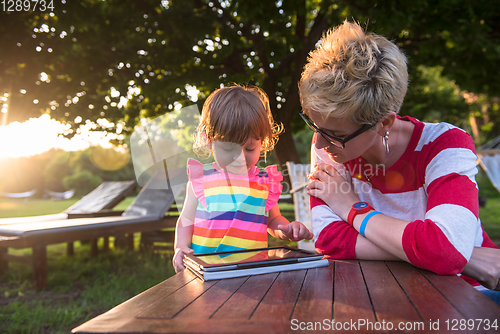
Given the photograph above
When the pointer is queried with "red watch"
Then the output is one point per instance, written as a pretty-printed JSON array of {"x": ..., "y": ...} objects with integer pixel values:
[{"x": 358, "y": 209}]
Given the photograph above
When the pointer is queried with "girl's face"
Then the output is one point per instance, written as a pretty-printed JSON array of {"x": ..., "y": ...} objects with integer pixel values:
[{"x": 235, "y": 158}]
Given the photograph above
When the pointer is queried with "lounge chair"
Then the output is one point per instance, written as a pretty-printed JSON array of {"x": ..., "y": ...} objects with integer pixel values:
[
  {"x": 97, "y": 203},
  {"x": 298, "y": 177},
  {"x": 146, "y": 213}
]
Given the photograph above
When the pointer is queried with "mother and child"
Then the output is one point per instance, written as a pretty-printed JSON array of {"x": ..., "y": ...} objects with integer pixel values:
[{"x": 383, "y": 187}]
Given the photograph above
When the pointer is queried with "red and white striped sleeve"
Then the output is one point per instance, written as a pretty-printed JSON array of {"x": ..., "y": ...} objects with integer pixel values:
[{"x": 444, "y": 240}]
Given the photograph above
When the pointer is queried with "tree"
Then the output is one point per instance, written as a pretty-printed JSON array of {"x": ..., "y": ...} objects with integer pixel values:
[
  {"x": 92, "y": 53},
  {"x": 84, "y": 181},
  {"x": 58, "y": 170}
]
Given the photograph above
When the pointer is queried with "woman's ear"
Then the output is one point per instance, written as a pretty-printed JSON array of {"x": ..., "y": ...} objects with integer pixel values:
[{"x": 387, "y": 123}]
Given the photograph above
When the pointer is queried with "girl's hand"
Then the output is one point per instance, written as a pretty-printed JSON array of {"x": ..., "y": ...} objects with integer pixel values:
[
  {"x": 296, "y": 231},
  {"x": 484, "y": 267},
  {"x": 328, "y": 185},
  {"x": 178, "y": 256}
]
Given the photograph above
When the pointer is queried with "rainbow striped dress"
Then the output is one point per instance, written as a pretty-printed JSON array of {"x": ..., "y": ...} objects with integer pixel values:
[{"x": 232, "y": 209}]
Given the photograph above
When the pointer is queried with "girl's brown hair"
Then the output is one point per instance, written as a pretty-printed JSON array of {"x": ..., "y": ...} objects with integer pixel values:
[{"x": 234, "y": 114}]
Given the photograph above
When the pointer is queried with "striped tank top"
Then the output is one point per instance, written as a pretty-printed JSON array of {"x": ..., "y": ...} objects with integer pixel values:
[{"x": 232, "y": 209}]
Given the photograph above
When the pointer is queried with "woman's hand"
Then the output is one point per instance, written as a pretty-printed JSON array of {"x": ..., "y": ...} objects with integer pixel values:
[
  {"x": 484, "y": 267},
  {"x": 328, "y": 185},
  {"x": 178, "y": 256}
]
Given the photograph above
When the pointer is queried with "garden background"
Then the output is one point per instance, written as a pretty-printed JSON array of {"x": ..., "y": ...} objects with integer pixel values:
[{"x": 105, "y": 65}]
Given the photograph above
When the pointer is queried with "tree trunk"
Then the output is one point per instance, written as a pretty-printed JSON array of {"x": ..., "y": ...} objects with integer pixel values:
[{"x": 475, "y": 129}]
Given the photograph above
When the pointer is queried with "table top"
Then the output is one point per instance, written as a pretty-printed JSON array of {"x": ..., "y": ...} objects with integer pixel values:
[{"x": 357, "y": 296}]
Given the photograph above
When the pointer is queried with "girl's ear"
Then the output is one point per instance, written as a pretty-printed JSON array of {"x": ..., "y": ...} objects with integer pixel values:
[{"x": 209, "y": 141}]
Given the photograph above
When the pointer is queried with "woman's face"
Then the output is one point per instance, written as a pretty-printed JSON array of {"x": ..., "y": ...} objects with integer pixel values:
[
  {"x": 235, "y": 158},
  {"x": 340, "y": 127}
]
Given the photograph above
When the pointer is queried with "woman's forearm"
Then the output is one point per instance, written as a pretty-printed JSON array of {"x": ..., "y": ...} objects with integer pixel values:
[
  {"x": 384, "y": 236},
  {"x": 367, "y": 250}
]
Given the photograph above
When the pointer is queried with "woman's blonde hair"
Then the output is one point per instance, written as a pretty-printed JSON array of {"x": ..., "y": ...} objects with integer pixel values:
[
  {"x": 355, "y": 76},
  {"x": 234, "y": 114}
]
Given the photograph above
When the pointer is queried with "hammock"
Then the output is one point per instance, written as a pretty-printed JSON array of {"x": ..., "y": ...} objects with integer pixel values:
[
  {"x": 25, "y": 194},
  {"x": 60, "y": 196}
]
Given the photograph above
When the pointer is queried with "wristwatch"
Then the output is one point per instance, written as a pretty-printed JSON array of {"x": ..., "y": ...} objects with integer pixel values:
[{"x": 358, "y": 209}]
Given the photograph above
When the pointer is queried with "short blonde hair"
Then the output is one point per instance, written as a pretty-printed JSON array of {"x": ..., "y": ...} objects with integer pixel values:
[
  {"x": 234, "y": 114},
  {"x": 354, "y": 75}
]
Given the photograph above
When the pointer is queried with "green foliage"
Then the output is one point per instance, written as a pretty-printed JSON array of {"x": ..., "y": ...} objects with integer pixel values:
[
  {"x": 94, "y": 52},
  {"x": 56, "y": 170},
  {"x": 302, "y": 140},
  {"x": 49, "y": 170},
  {"x": 83, "y": 180},
  {"x": 486, "y": 188},
  {"x": 434, "y": 98}
]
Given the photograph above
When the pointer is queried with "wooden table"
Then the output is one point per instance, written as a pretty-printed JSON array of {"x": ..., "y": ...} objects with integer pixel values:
[{"x": 346, "y": 296}]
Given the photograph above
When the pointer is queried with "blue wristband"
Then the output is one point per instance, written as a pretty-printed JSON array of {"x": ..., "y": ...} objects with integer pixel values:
[{"x": 365, "y": 221}]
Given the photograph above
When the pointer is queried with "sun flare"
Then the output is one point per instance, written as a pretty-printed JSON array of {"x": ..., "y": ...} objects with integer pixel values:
[{"x": 38, "y": 135}]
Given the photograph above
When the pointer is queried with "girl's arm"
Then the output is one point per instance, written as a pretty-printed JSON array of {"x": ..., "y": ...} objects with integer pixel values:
[
  {"x": 184, "y": 228},
  {"x": 280, "y": 228}
]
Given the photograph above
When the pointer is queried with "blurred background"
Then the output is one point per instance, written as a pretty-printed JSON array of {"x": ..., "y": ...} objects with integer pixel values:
[{"x": 76, "y": 77}]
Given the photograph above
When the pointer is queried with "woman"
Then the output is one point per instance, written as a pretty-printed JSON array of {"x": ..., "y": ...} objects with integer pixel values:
[{"x": 419, "y": 177}]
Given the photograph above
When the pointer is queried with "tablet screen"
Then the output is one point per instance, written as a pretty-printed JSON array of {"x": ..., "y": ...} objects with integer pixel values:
[{"x": 261, "y": 256}]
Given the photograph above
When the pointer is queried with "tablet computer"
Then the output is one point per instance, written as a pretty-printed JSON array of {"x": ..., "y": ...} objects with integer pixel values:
[{"x": 250, "y": 258}]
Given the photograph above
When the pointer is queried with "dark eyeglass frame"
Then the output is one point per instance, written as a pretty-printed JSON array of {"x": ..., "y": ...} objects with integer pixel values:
[{"x": 337, "y": 142}]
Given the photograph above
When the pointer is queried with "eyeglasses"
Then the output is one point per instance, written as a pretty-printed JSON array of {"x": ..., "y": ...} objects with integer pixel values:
[{"x": 335, "y": 141}]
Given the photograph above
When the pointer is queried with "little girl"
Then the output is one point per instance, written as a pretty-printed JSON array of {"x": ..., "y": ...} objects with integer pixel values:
[{"x": 231, "y": 204}]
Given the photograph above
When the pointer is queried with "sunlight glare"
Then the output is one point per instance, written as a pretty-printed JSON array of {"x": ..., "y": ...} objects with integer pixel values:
[{"x": 38, "y": 135}]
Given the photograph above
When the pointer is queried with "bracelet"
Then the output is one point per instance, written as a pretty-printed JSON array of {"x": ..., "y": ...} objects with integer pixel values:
[{"x": 365, "y": 221}]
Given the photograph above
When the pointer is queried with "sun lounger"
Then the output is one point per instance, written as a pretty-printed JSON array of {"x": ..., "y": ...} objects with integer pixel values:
[
  {"x": 146, "y": 213},
  {"x": 97, "y": 203}
]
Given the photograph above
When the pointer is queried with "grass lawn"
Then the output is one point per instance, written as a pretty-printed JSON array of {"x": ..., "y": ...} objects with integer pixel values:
[
  {"x": 81, "y": 287},
  {"x": 490, "y": 218},
  {"x": 490, "y": 214},
  {"x": 33, "y": 207}
]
